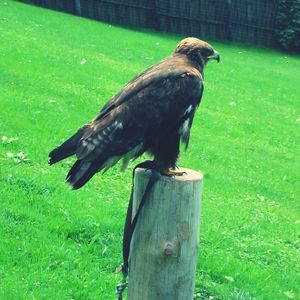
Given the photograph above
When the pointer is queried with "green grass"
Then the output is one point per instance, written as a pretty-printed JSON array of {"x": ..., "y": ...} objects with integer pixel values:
[{"x": 57, "y": 71}]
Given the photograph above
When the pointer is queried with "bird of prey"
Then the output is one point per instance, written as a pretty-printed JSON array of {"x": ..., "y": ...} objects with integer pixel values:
[{"x": 152, "y": 113}]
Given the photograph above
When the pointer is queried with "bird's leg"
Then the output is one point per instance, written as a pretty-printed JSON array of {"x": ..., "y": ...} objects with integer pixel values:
[{"x": 170, "y": 170}]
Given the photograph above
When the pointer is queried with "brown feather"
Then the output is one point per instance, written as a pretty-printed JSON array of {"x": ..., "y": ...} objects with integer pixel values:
[{"x": 151, "y": 113}]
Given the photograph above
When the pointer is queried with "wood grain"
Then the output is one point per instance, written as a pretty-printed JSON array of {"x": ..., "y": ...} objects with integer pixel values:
[{"x": 165, "y": 244}]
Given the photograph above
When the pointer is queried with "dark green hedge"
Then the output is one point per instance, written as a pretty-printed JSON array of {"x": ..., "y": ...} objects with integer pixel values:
[{"x": 288, "y": 24}]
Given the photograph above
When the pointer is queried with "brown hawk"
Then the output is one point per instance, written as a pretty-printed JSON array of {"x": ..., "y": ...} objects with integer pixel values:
[{"x": 150, "y": 114}]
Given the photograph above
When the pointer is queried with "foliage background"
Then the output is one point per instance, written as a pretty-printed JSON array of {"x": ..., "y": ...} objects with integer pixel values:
[{"x": 288, "y": 24}]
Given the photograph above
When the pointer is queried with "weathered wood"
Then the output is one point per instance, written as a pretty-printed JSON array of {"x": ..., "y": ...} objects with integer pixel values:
[{"x": 165, "y": 243}]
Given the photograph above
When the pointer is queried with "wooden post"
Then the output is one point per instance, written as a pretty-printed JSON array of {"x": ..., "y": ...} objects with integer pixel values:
[{"x": 165, "y": 243}]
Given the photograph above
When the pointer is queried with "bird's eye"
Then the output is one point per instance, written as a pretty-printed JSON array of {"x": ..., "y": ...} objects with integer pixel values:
[
  {"x": 207, "y": 52},
  {"x": 210, "y": 52}
]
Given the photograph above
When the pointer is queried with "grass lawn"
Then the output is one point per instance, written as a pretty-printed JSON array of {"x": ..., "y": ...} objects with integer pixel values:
[{"x": 57, "y": 71}]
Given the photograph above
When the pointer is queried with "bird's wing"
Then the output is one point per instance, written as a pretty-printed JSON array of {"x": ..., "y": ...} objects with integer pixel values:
[
  {"x": 154, "y": 102},
  {"x": 131, "y": 88},
  {"x": 167, "y": 68}
]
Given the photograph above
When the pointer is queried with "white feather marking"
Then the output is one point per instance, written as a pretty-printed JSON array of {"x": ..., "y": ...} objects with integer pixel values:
[
  {"x": 118, "y": 125},
  {"x": 189, "y": 109},
  {"x": 184, "y": 128},
  {"x": 90, "y": 147},
  {"x": 96, "y": 142},
  {"x": 84, "y": 143}
]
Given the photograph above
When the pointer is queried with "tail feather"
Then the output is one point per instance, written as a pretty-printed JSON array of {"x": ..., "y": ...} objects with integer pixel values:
[
  {"x": 81, "y": 172},
  {"x": 88, "y": 163},
  {"x": 66, "y": 149}
]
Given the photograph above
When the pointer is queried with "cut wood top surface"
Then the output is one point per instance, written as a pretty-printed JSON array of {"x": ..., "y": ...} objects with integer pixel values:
[{"x": 190, "y": 175}]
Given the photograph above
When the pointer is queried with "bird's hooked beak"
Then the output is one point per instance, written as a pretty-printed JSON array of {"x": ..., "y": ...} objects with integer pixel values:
[{"x": 215, "y": 56}]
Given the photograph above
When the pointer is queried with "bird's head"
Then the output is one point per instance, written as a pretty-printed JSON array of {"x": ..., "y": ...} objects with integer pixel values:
[{"x": 197, "y": 50}]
